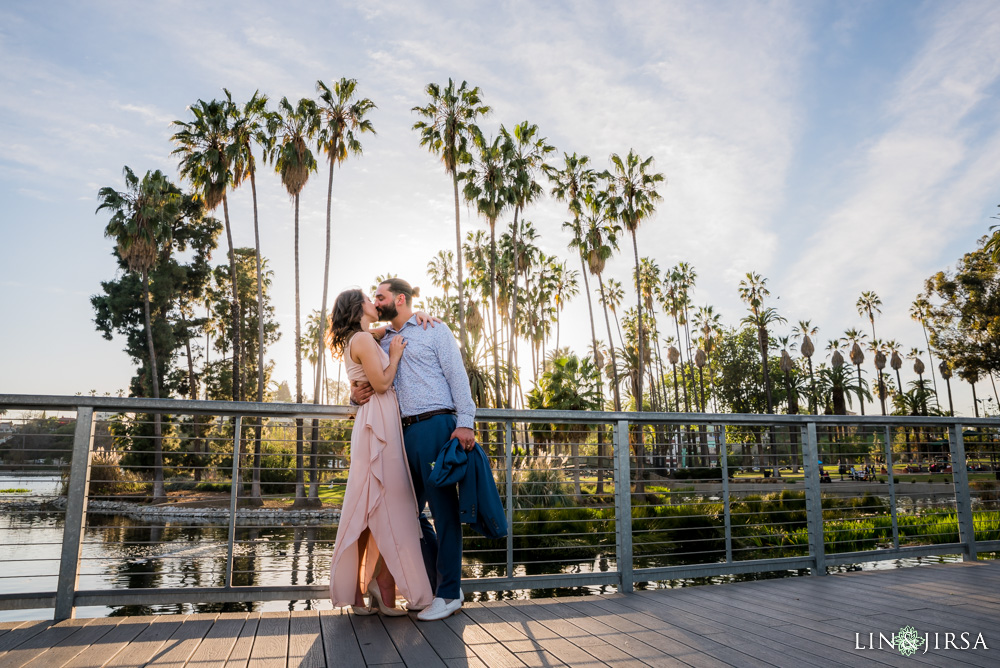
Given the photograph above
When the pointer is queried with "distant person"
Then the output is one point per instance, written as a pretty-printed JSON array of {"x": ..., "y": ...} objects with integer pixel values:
[
  {"x": 436, "y": 405},
  {"x": 377, "y": 547}
]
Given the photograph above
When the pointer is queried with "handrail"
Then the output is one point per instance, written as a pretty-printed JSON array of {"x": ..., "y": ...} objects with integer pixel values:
[
  {"x": 802, "y": 428},
  {"x": 276, "y": 409}
]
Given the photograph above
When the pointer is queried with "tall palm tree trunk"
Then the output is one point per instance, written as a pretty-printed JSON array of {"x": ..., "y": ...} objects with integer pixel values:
[
  {"x": 159, "y": 493},
  {"x": 638, "y": 311},
  {"x": 193, "y": 393},
  {"x": 762, "y": 343},
  {"x": 493, "y": 315},
  {"x": 812, "y": 383},
  {"x": 930, "y": 354},
  {"x": 235, "y": 307},
  {"x": 680, "y": 351},
  {"x": 861, "y": 401},
  {"x": 255, "y": 491},
  {"x": 320, "y": 337},
  {"x": 614, "y": 359},
  {"x": 513, "y": 310},
  {"x": 300, "y": 489},
  {"x": 458, "y": 264},
  {"x": 601, "y": 454}
]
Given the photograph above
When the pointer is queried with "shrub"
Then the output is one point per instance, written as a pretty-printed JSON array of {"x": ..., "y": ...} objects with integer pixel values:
[{"x": 108, "y": 478}]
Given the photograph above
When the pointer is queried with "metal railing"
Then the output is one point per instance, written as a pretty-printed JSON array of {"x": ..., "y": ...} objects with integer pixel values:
[{"x": 593, "y": 499}]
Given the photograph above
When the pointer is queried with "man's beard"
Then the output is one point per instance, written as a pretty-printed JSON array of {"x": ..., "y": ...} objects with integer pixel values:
[{"x": 387, "y": 311}]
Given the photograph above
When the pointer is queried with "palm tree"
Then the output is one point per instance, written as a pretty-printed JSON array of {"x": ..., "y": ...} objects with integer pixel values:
[
  {"x": 878, "y": 348},
  {"x": 970, "y": 375},
  {"x": 753, "y": 290},
  {"x": 293, "y": 161},
  {"x": 568, "y": 185},
  {"x": 614, "y": 295},
  {"x": 918, "y": 368},
  {"x": 525, "y": 151},
  {"x": 856, "y": 338},
  {"x": 709, "y": 323},
  {"x": 564, "y": 287},
  {"x": 249, "y": 127},
  {"x": 440, "y": 269},
  {"x": 206, "y": 161},
  {"x": 672, "y": 297},
  {"x": 341, "y": 122},
  {"x": 635, "y": 198},
  {"x": 487, "y": 184},
  {"x": 685, "y": 277},
  {"x": 803, "y": 333},
  {"x": 896, "y": 362},
  {"x": 919, "y": 311},
  {"x": 945, "y": 369},
  {"x": 141, "y": 225},
  {"x": 600, "y": 242},
  {"x": 449, "y": 122},
  {"x": 868, "y": 304}
]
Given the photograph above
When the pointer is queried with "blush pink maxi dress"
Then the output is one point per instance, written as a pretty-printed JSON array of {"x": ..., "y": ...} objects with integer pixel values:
[{"x": 379, "y": 496}]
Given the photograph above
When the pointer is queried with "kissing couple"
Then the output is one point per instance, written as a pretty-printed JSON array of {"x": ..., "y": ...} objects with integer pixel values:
[{"x": 413, "y": 395}]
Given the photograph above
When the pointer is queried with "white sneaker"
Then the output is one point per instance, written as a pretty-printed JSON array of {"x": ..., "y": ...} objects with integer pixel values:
[
  {"x": 439, "y": 609},
  {"x": 413, "y": 608}
]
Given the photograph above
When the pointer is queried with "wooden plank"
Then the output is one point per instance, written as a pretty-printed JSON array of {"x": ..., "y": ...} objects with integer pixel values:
[
  {"x": 413, "y": 647},
  {"x": 121, "y": 631},
  {"x": 340, "y": 645},
  {"x": 239, "y": 657},
  {"x": 376, "y": 646},
  {"x": 22, "y": 633},
  {"x": 270, "y": 646},
  {"x": 809, "y": 636},
  {"x": 472, "y": 661},
  {"x": 481, "y": 642},
  {"x": 516, "y": 641},
  {"x": 87, "y": 634},
  {"x": 145, "y": 646},
  {"x": 697, "y": 641},
  {"x": 305, "y": 644},
  {"x": 598, "y": 639},
  {"x": 218, "y": 643},
  {"x": 183, "y": 643},
  {"x": 37, "y": 645},
  {"x": 446, "y": 644}
]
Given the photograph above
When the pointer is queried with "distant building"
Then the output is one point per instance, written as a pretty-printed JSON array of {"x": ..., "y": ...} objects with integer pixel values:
[{"x": 6, "y": 427}]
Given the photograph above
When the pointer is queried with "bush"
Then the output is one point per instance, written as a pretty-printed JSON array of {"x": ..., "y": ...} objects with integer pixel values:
[{"x": 108, "y": 478}]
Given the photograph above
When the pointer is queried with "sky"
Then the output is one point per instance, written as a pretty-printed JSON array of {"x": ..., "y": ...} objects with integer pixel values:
[{"x": 832, "y": 147}]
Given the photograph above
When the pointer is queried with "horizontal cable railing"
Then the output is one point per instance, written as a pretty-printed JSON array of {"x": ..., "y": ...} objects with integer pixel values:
[{"x": 149, "y": 505}]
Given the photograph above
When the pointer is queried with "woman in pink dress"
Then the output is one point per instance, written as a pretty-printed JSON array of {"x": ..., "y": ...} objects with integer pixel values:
[{"x": 378, "y": 540}]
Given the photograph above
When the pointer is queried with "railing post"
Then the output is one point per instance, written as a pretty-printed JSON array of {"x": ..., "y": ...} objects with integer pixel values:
[
  {"x": 727, "y": 517},
  {"x": 234, "y": 490},
  {"x": 814, "y": 499},
  {"x": 509, "y": 463},
  {"x": 892, "y": 487},
  {"x": 76, "y": 514},
  {"x": 623, "y": 506},
  {"x": 963, "y": 499}
]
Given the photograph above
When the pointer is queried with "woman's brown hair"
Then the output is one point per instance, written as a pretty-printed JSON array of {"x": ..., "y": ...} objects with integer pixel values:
[{"x": 345, "y": 320}]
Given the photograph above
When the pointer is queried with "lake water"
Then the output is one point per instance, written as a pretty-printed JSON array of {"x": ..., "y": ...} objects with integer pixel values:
[{"x": 124, "y": 553}]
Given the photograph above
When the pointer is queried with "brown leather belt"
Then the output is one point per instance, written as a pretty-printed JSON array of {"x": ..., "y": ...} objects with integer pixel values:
[{"x": 411, "y": 419}]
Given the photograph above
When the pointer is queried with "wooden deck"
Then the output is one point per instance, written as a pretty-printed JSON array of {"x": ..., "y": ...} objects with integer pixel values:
[{"x": 802, "y": 621}]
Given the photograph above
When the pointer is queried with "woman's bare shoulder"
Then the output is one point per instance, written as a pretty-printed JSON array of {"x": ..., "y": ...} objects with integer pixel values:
[{"x": 361, "y": 342}]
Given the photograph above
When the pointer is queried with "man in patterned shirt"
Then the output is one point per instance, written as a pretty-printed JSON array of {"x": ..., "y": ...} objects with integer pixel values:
[{"x": 436, "y": 405}]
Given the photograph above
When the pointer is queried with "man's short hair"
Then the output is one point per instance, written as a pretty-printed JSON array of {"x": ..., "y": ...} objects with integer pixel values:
[{"x": 398, "y": 286}]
